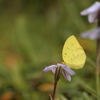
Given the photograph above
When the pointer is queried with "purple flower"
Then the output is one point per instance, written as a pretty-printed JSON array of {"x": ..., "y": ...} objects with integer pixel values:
[
  {"x": 92, "y": 34},
  {"x": 93, "y": 12},
  {"x": 66, "y": 71}
]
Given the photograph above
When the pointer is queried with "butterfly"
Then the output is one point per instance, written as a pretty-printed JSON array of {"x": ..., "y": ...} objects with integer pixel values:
[{"x": 73, "y": 54}]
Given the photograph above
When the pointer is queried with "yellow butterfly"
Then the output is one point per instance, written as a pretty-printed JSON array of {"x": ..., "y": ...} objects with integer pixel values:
[{"x": 73, "y": 53}]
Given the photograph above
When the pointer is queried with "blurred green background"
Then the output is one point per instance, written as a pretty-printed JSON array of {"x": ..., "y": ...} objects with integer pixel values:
[{"x": 32, "y": 34}]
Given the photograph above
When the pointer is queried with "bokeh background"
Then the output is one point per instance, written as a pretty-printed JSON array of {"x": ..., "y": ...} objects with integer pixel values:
[{"x": 32, "y": 34}]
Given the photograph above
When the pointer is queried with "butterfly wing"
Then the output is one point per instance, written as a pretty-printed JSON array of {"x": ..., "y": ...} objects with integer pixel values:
[{"x": 73, "y": 53}]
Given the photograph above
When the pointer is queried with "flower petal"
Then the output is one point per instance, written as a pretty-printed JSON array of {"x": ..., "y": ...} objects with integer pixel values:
[
  {"x": 66, "y": 75},
  {"x": 54, "y": 70},
  {"x": 68, "y": 70},
  {"x": 59, "y": 65},
  {"x": 48, "y": 68},
  {"x": 92, "y": 34},
  {"x": 93, "y": 8},
  {"x": 93, "y": 17}
]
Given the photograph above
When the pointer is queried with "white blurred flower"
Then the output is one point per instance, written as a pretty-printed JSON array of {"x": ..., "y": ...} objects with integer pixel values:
[
  {"x": 92, "y": 34},
  {"x": 66, "y": 71},
  {"x": 93, "y": 12}
]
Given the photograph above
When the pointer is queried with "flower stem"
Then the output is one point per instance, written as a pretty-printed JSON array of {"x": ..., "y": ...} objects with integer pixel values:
[
  {"x": 97, "y": 67},
  {"x": 54, "y": 90},
  {"x": 56, "y": 78},
  {"x": 98, "y": 64}
]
